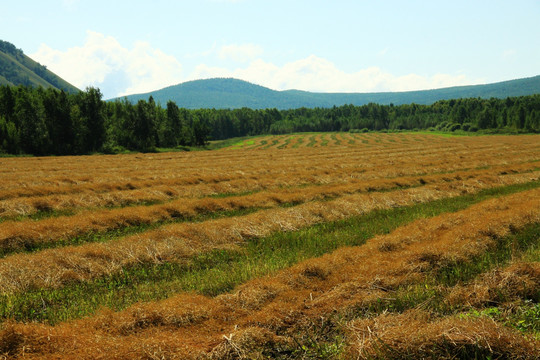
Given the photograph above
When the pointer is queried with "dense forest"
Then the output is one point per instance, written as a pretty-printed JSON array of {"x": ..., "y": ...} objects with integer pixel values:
[{"x": 52, "y": 122}]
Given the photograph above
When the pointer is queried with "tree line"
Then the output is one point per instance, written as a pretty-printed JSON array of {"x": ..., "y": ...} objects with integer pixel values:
[{"x": 52, "y": 122}]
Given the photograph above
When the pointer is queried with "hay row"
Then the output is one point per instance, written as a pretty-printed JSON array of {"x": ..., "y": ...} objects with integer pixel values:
[
  {"x": 101, "y": 174},
  {"x": 179, "y": 242},
  {"x": 15, "y": 235},
  {"x": 26, "y": 200},
  {"x": 270, "y": 312}
]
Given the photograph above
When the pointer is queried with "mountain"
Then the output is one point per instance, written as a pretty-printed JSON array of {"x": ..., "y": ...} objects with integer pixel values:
[
  {"x": 18, "y": 69},
  {"x": 232, "y": 93}
]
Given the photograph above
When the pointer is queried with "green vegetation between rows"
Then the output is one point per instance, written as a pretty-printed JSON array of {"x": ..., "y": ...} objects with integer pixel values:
[
  {"x": 221, "y": 270},
  {"x": 326, "y": 339},
  {"x": 138, "y": 227},
  {"x": 522, "y": 244}
]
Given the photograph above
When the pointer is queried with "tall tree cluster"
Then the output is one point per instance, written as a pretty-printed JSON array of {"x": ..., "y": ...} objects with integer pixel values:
[
  {"x": 52, "y": 122},
  {"x": 519, "y": 114}
]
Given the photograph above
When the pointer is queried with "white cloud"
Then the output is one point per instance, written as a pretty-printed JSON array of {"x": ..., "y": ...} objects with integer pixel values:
[
  {"x": 240, "y": 53},
  {"x": 509, "y": 54},
  {"x": 317, "y": 74},
  {"x": 102, "y": 58},
  {"x": 103, "y": 62}
]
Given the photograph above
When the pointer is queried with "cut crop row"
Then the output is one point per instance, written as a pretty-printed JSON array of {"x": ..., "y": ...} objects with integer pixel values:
[
  {"x": 179, "y": 242},
  {"x": 267, "y": 314},
  {"x": 103, "y": 174},
  {"x": 327, "y": 171},
  {"x": 29, "y": 235}
]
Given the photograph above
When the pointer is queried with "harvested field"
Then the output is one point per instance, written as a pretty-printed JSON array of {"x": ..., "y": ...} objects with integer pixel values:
[{"x": 70, "y": 226}]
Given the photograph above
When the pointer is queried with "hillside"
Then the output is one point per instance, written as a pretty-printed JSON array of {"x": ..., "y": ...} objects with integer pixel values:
[
  {"x": 232, "y": 93},
  {"x": 18, "y": 69}
]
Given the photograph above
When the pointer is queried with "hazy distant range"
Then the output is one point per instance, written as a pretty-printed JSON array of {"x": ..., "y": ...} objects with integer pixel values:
[{"x": 227, "y": 93}]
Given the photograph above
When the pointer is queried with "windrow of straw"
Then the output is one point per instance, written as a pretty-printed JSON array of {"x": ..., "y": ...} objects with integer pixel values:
[
  {"x": 266, "y": 315},
  {"x": 422, "y": 334},
  {"x": 17, "y": 235},
  {"x": 98, "y": 174},
  {"x": 519, "y": 280},
  {"x": 239, "y": 176},
  {"x": 418, "y": 334},
  {"x": 179, "y": 242}
]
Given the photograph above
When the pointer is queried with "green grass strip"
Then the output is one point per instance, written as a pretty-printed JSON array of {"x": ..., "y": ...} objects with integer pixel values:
[
  {"x": 299, "y": 142},
  {"x": 430, "y": 294},
  {"x": 333, "y": 136},
  {"x": 272, "y": 144},
  {"x": 286, "y": 142},
  {"x": 324, "y": 140},
  {"x": 217, "y": 272},
  {"x": 232, "y": 142}
]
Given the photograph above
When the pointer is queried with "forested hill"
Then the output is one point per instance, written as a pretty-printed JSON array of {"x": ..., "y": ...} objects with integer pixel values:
[
  {"x": 233, "y": 94},
  {"x": 18, "y": 69}
]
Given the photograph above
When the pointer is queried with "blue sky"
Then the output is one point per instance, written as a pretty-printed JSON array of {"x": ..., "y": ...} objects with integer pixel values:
[{"x": 134, "y": 46}]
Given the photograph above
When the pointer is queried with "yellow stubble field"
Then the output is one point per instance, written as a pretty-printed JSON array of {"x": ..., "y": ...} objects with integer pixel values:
[{"x": 191, "y": 203}]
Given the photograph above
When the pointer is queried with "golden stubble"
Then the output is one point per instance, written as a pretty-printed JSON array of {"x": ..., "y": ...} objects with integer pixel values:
[{"x": 274, "y": 308}]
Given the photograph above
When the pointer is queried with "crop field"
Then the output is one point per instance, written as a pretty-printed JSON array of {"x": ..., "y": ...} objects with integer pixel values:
[{"x": 302, "y": 246}]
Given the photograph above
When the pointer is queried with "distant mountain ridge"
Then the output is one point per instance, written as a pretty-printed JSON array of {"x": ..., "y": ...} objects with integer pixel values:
[
  {"x": 18, "y": 69},
  {"x": 228, "y": 93}
]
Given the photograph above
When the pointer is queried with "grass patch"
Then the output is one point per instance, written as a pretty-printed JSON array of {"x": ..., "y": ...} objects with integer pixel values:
[
  {"x": 324, "y": 140},
  {"x": 312, "y": 141},
  {"x": 40, "y": 215},
  {"x": 299, "y": 142},
  {"x": 286, "y": 142},
  {"x": 220, "y": 271},
  {"x": 333, "y": 136},
  {"x": 220, "y": 144},
  {"x": 272, "y": 144}
]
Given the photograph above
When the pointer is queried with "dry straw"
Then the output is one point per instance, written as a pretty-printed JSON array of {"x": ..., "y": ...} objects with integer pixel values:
[
  {"x": 179, "y": 242},
  {"x": 271, "y": 311}
]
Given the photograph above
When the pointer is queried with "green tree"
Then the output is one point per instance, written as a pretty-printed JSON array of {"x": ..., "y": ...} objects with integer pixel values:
[
  {"x": 91, "y": 107},
  {"x": 143, "y": 126},
  {"x": 172, "y": 129},
  {"x": 29, "y": 112},
  {"x": 486, "y": 119},
  {"x": 58, "y": 120},
  {"x": 200, "y": 132},
  {"x": 7, "y": 103}
]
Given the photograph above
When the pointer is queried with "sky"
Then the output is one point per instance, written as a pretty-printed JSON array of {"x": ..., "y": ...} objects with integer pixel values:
[{"x": 127, "y": 47}]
